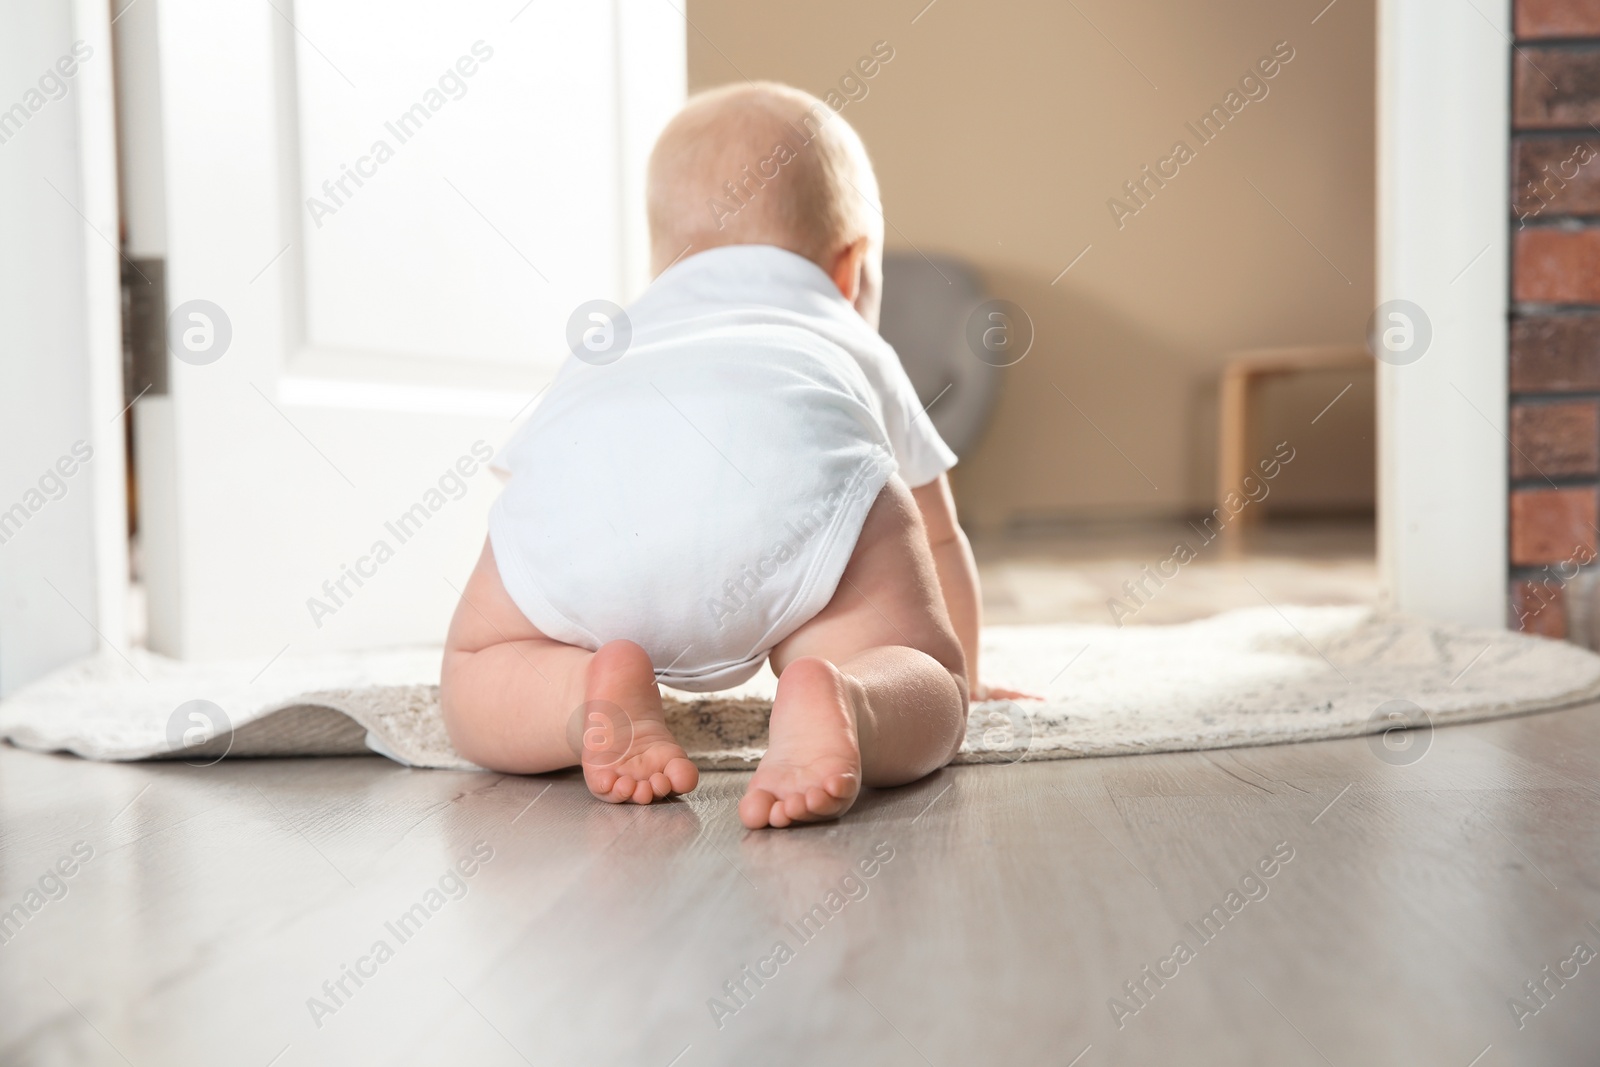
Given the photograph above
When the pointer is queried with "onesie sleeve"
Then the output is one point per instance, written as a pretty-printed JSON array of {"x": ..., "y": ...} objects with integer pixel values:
[{"x": 920, "y": 452}]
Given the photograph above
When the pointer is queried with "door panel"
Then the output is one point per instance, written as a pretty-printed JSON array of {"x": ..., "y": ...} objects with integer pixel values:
[
  {"x": 326, "y": 472},
  {"x": 489, "y": 208}
]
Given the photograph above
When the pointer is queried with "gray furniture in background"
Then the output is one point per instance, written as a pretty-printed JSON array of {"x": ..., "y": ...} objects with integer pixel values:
[{"x": 926, "y": 304}]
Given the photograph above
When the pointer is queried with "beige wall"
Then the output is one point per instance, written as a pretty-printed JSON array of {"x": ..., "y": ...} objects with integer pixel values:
[{"x": 1000, "y": 131}]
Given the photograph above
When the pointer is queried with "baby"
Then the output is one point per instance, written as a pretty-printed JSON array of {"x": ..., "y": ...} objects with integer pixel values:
[{"x": 752, "y": 479}]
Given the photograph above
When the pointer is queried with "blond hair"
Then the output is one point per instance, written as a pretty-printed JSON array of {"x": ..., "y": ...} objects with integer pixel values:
[{"x": 760, "y": 163}]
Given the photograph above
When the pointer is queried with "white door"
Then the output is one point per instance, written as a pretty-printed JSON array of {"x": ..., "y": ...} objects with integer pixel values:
[{"x": 376, "y": 221}]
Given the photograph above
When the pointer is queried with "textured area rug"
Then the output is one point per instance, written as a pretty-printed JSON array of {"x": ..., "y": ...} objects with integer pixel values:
[{"x": 1253, "y": 677}]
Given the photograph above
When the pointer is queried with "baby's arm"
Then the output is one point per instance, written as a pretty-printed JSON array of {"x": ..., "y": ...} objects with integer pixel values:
[
  {"x": 958, "y": 572},
  {"x": 958, "y": 581}
]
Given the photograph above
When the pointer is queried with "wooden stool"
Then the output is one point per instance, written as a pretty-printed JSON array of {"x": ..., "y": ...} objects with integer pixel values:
[{"x": 1243, "y": 371}]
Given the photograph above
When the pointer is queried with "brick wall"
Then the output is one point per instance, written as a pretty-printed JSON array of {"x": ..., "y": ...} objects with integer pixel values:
[{"x": 1555, "y": 296}]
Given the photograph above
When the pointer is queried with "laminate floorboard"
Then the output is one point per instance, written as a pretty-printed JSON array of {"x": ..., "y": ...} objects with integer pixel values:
[{"x": 1006, "y": 909}]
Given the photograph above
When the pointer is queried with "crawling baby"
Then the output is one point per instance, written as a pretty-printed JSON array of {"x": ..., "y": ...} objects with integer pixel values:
[{"x": 752, "y": 480}]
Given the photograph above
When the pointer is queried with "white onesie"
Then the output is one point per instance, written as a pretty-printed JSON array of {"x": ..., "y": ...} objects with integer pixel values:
[{"x": 702, "y": 494}]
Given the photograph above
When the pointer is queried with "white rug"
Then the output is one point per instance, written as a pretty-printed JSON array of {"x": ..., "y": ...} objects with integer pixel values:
[{"x": 1252, "y": 677}]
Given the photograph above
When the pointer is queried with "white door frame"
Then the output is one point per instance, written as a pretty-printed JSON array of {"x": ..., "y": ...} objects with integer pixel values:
[
  {"x": 64, "y": 570},
  {"x": 1443, "y": 134}
]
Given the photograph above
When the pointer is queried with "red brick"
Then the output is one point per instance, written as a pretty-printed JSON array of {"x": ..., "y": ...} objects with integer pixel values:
[
  {"x": 1557, "y": 18},
  {"x": 1555, "y": 440},
  {"x": 1555, "y": 354},
  {"x": 1550, "y": 266},
  {"x": 1552, "y": 176},
  {"x": 1552, "y": 525},
  {"x": 1538, "y": 607},
  {"x": 1555, "y": 87}
]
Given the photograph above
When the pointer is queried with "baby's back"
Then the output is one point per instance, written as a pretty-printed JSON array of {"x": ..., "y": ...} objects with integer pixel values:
[{"x": 700, "y": 496}]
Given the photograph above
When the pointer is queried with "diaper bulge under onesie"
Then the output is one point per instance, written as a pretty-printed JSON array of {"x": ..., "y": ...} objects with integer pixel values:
[{"x": 701, "y": 496}]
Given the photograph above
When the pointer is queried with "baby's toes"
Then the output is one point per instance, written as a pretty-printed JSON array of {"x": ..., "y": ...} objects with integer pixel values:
[
  {"x": 816, "y": 803},
  {"x": 843, "y": 786},
  {"x": 755, "y": 808},
  {"x": 681, "y": 774},
  {"x": 779, "y": 816},
  {"x": 796, "y": 806},
  {"x": 822, "y": 802},
  {"x": 660, "y": 784},
  {"x": 600, "y": 780}
]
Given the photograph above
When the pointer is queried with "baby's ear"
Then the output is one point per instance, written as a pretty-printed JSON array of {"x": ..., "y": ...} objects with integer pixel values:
[{"x": 847, "y": 268}]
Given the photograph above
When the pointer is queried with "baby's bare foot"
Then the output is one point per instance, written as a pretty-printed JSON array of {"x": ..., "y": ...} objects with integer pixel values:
[
  {"x": 812, "y": 769},
  {"x": 627, "y": 751}
]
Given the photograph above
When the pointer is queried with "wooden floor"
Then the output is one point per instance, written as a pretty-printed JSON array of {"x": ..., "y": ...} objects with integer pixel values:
[
  {"x": 1074, "y": 573},
  {"x": 1006, "y": 909}
]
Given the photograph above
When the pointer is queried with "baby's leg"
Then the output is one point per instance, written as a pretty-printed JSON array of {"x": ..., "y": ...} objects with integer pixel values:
[
  {"x": 872, "y": 690},
  {"x": 514, "y": 700}
]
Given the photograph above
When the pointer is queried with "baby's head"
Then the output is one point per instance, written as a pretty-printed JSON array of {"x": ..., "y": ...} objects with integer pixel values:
[{"x": 763, "y": 163}]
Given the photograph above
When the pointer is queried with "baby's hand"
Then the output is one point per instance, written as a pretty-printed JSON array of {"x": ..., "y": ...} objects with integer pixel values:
[{"x": 997, "y": 692}]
